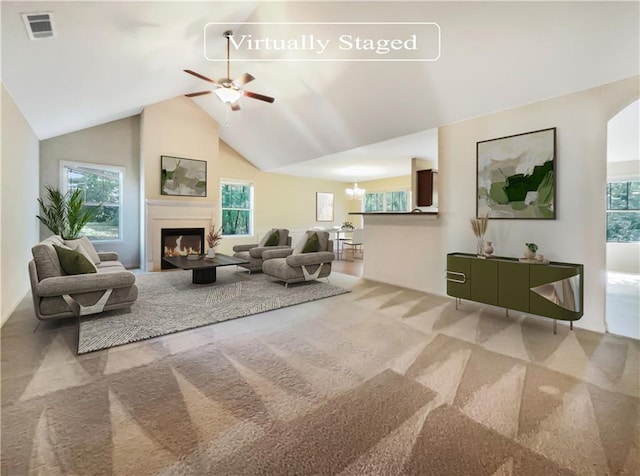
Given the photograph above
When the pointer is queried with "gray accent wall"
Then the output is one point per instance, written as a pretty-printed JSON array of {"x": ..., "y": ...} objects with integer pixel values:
[{"x": 114, "y": 143}]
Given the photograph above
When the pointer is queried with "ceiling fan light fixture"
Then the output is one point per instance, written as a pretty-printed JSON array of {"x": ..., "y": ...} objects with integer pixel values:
[{"x": 228, "y": 95}]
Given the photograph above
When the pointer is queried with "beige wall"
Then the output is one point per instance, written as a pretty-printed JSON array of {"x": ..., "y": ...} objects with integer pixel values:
[
  {"x": 281, "y": 200},
  {"x": 19, "y": 226},
  {"x": 179, "y": 128},
  {"x": 577, "y": 235},
  {"x": 114, "y": 143}
]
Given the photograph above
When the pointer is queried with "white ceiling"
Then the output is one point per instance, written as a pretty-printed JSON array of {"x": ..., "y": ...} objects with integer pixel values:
[{"x": 111, "y": 59}]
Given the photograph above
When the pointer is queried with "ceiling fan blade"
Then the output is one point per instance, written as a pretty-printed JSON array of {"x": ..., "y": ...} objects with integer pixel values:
[
  {"x": 235, "y": 106},
  {"x": 198, "y": 75},
  {"x": 262, "y": 97},
  {"x": 201, "y": 93},
  {"x": 244, "y": 79}
]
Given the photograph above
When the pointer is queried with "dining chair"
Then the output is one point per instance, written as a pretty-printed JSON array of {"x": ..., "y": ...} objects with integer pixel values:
[{"x": 355, "y": 243}]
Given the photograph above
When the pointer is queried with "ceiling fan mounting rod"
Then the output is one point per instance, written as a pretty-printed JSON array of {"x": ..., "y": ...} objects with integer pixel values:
[{"x": 227, "y": 34}]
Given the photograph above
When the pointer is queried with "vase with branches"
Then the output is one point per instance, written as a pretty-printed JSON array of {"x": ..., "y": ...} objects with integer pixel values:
[
  {"x": 214, "y": 237},
  {"x": 65, "y": 214},
  {"x": 479, "y": 227}
]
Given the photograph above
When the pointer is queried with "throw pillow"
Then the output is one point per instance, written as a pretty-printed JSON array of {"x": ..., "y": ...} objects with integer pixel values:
[
  {"x": 266, "y": 236},
  {"x": 74, "y": 262},
  {"x": 87, "y": 245},
  {"x": 312, "y": 245},
  {"x": 274, "y": 239}
]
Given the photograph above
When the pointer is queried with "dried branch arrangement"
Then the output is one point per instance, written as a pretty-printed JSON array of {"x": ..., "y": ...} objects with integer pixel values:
[
  {"x": 479, "y": 225},
  {"x": 214, "y": 237}
]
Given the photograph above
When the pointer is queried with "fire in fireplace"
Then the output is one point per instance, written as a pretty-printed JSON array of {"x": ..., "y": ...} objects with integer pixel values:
[{"x": 180, "y": 242}]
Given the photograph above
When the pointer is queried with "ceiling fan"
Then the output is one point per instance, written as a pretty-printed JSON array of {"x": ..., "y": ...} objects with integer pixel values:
[{"x": 229, "y": 91}]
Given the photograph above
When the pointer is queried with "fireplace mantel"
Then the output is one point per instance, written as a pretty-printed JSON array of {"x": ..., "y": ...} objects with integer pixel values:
[
  {"x": 167, "y": 202},
  {"x": 172, "y": 213}
]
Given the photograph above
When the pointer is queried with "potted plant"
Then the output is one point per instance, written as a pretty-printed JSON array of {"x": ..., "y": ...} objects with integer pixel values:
[
  {"x": 530, "y": 250},
  {"x": 347, "y": 225},
  {"x": 65, "y": 214}
]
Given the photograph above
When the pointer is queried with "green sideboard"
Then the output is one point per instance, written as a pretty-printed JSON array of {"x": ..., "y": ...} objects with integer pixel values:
[{"x": 554, "y": 290}]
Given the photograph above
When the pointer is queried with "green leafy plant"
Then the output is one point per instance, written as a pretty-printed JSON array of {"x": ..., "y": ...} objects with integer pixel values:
[
  {"x": 347, "y": 225},
  {"x": 65, "y": 213},
  {"x": 532, "y": 247}
]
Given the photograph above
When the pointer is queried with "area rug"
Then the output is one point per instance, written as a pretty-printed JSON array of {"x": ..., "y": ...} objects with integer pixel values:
[{"x": 169, "y": 302}]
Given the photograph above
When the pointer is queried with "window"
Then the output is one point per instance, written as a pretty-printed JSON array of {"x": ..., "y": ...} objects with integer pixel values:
[
  {"x": 396, "y": 201},
  {"x": 237, "y": 208},
  {"x": 374, "y": 202},
  {"x": 393, "y": 201},
  {"x": 623, "y": 211},
  {"x": 102, "y": 186}
]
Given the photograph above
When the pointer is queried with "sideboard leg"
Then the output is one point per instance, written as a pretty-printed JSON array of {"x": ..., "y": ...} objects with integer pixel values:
[
  {"x": 507, "y": 312},
  {"x": 571, "y": 325},
  {"x": 555, "y": 326}
]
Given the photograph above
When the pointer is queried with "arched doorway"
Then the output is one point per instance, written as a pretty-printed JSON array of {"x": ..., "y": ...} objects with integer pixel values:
[{"x": 623, "y": 223}]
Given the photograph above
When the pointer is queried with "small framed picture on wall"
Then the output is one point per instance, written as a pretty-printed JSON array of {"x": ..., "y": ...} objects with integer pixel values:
[{"x": 324, "y": 206}]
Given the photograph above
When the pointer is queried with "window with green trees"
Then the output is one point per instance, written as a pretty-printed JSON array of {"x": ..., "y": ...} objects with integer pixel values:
[
  {"x": 396, "y": 201},
  {"x": 392, "y": 201},
  {"x": 102, "y": 187},
  {"x": 623, "y": 211},
  {"x": 237, "y": 208},
  {"x": 374, "y": 202}
]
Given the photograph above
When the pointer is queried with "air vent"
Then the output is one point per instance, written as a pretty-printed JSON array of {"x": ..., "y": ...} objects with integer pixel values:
[{"x": 39, "y": 25}]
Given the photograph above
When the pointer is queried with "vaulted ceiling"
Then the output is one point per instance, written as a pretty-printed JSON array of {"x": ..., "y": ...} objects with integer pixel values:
[{"x": 111, "y": 59}]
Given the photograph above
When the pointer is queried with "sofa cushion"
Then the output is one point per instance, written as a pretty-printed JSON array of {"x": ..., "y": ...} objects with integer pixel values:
[
  {"x": 312, "y": 245},
  {"x": 273, "y": 240},
  {"x": 74, "y": 262},
  {"x": 283, "y": 237},
  {"x": 87, "y": 245},
  {"x": 323, "y": 240},
  {"x": 46, "y": 258}
]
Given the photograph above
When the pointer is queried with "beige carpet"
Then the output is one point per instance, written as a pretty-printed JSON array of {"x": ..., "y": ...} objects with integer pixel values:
[{"x": 379, "y": 381}]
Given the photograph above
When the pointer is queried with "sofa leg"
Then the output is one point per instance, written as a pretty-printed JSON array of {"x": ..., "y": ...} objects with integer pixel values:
[{"x": 286, "y": 285}]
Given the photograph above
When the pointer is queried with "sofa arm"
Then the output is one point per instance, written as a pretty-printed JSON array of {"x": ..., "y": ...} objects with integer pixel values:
[
  {"x": 259, "y": 250},
  {"x": 84, "y": 283},
  {"x": 237, "y": 248},
  {"x": 277, "y": 253},
  {"x": 305, "y": 259},
  {"x": 108, "y": 256}
]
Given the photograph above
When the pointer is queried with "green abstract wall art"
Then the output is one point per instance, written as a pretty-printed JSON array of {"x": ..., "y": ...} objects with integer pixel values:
[
  {"x": 516, "y": 176},
  {"x": 186, "y": 177}
]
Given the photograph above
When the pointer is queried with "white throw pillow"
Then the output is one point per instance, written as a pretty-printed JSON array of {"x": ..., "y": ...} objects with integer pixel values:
[{"x": 85, "y": 243}]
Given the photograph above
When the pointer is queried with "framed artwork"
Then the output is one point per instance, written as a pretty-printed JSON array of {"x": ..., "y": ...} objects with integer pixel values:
[
  {"x": 516, "y": 176},
  {"x": 324, "y": 206},
  {"x": 184, "y": 177}
]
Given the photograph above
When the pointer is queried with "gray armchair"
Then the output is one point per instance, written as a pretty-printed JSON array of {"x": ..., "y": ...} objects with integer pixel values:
[
  {"x": 302, "y": 263},
  {"x": 253, "y": 252}
]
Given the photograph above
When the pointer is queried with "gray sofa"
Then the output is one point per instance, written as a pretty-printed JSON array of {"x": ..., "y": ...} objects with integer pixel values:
[
  {"x": 297, "y": 265},
  {"x": 57, "y": 294},
  {"x": 253, "y": 252}
]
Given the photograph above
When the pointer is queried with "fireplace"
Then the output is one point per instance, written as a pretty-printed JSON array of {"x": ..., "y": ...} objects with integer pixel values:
[{"x": 180, "y": 242}]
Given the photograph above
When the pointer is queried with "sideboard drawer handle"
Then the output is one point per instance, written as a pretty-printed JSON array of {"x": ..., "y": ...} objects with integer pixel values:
[{"x": 460, "y": 278}]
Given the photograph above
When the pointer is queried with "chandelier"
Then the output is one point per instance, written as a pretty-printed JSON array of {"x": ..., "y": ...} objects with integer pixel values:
[{"x": 355, "y": 192}]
